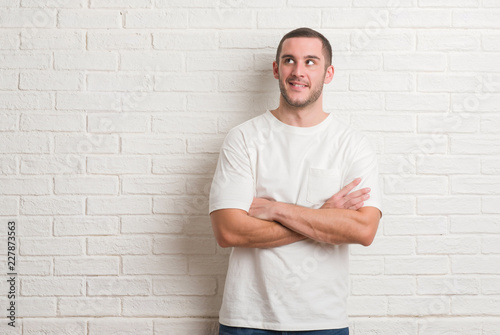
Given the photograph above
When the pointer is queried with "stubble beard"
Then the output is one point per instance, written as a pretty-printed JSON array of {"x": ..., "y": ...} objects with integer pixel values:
[{"x": 313, "y": 97}]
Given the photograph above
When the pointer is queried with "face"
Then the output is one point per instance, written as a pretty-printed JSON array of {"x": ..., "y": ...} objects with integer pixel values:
[{"x": 301, "y": 71}]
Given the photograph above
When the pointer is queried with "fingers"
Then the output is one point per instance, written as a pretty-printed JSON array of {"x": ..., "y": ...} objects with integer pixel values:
[{"x": 348, "y": 188}]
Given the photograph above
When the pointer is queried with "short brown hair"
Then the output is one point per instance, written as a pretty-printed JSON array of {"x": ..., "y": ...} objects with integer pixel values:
[{"x": 307, "y": 32}]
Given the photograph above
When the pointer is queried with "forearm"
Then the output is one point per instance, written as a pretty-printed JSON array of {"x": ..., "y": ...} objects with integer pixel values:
[
  {"x": 335, "y": 226},
  {"x": 235, "y": 228}
]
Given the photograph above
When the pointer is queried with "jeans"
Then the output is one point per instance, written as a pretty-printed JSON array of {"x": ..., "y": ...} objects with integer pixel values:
[{"x": 226, "y": 330}]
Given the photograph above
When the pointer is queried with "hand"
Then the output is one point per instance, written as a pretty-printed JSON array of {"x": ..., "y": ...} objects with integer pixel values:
[
  {"x": 344, "y": 199},
  {"x": 261, "y": 208}
]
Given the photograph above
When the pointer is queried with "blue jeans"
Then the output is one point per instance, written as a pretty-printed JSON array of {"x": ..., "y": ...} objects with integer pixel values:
[{"x": 226, "y": 330}]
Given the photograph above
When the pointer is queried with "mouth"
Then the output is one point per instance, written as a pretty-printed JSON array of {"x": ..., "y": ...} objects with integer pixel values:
[{"x": 297, "y": 84}]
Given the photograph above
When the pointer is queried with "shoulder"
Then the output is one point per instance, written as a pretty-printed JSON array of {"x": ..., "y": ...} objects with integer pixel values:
[{"x": 244, "y": 132}]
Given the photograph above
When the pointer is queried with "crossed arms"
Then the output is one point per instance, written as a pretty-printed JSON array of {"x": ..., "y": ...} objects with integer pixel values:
[{"x": 341, "y": 219}]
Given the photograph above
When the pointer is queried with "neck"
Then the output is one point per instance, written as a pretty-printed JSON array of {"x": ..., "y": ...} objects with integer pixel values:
[{"x": 300, "y": 117}]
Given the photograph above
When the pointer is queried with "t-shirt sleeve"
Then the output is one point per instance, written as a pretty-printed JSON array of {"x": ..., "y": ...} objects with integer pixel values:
[
  {"x": 364, "y": 165},
  {"x": 233, "y": 182}
]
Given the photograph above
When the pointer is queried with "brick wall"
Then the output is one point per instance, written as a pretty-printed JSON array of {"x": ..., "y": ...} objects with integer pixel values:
[{"x": 112, "y": 114}]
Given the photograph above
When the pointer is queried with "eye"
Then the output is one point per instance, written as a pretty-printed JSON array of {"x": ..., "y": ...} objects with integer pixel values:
[
  {"x": 309, "y": 62},
  {"x": 288, "y": 61}
]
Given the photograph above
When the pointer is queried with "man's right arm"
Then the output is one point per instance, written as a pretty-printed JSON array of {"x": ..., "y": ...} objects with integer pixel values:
[{"x": 235, "y": 228}]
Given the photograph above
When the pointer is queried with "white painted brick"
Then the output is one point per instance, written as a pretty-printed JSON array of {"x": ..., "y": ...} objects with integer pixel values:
[
  {"x": 427, "y": 285},
  {"x": 475, "y": 102},
  {"x": 475, "y": 305},
  {"x": 8, "y": 165},
  {"x": 490, "y": 285},
  {"x": 357, "y": 62},
  {"x": 489, "y": 165},
  {"x": 184, "y": 124},
  {"x": 86, "y": 144},
  {"x": 25, "y": 186},
  {"x": 85, "y": 226},
  {"x": 38, "y": 205},
  {"x": 439, "y": 164},
  {"x": 449, "y": 3},
  {"x": 415, "y": 62},
  {"x": 396, "y": 326},
  {"x": 89, "y": 19},
  {"x": 444, "y": 40},
  {"x": 416, "y": 265},
  {"x": 475, "y": 185},
  {"x": 490, "y": 3},
  {"x": 208, "y": 265},
  {"x": 417, "y": 101},
  {"x": 68, "y": 326},
  {"x": 455, "y": 325},
  {"x": 157, "y": 224},
  {"x": 153, "y": 185},
  {"x": 200, "y": 186},
  {"x": 319, "y": 3},
  {"x": 490, "y": 205},
  {"x": 151, "y": 61},
  {"x": 52, "y": 164},
  {"x": 476, "y": 18},
  {"x": 120, "y": 326},
  {"x": 34, "y": 267},
  {"x": 475, "y": 224},
  {"x": 382, "y": 285},
  {"x": 51, "y": 81},
  {"x": 88, "y": 60},
  {"x": 186, "y": 326},
  {"x": 155, "y": 265},
  {"x": 159, "y": 145},
  {"x": 35, "y": 226},
  {"x": 53, "y": 122},
  {"x": 171, "y": 306},
  {"x": 186, "y": 40},
  {"x": 420, "y": 144},
  {"x": 112, "y": 286},
  {"x": 184, "y": 285},
  {"x": 490, "y": 245},
  {"x": 52, "y": 39},
  {"x": 8, "y": 122},
  {"x": 292, "y": 17},
  {"x": 418, "y": 306},
  {"x": 112, "y": 82},
  {"x": 118, "y": 123},
  {"x": 354, "y": 101},
  {"x": 366, "y": 306},
  {"x": 9, "y": 205},
  {"x": 9, "y": 40},
  {"x": 220, "y": 61},
  {"x": 27, "y": 144},
  {"x": 37, "y": 306},
  {"x": 235, "y": 82},
  {"x": 416, "y": 185},
  {"x": 420, "y": 18},
  {"x": 86, "y": 266},
  {"x": 154, "y": 102},
  {"x": 27, "y": 18},
  {"x": 118, "y": 205},
  {"x": 184, "y": 245},
  {"x": 118, "y": 164},
  {"x": 24, "y": 60},
  {"x": 89, "y": 101},
  {"x": 226, "y": 102},
  {"x": 448, "y": 205},
  {"x": 156, "y": 18},
  {"x": 189, "y": 165},
  {"x": 491, "y": 42},
  {"x": 118, "y": 245},
  {"x": 86, "y": 185},
  {"x": 8, "y": 80},
  {"x": 120, "y": 3},
  {"x": 199, "y": 82},
  {"x": 399, "y": 205},
  {"x": 61, "y": 246},
  {"x": 192, "y": 205},
  {"x": 221, "y": 18},
  {"x": 475, "y": 145},
  {"x": 477, "y": 62},
  {"x": 52, "y": 286},
  {"x": 484, "y": 264},
  {"x": 381, "y": 82},
  {"x": 89, "y": 306},
  {"x": 448, "y": 123},
  {"x": 448, "y": 245},
  {"x": 364, "y": 265},
  {"x": 448, "y": 83},
  {"x": 354, "y": 18},
  {"x": 386, "y": 246},
  {"x": 54, "y": 3},
  {"x": 248, "y": 39},
  {"x": 25, "y": 100},
  {"x": 416, "y": 225},
  {"x": 118, "y": 40},
  {"x": 490, "y": 124}
]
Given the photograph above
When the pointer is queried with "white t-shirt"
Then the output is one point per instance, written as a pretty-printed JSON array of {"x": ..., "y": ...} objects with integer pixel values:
[{"x": 303, "y": 285}]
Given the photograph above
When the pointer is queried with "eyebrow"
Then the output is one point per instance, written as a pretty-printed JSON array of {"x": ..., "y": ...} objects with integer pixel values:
[{"x": 308, "y": 56}]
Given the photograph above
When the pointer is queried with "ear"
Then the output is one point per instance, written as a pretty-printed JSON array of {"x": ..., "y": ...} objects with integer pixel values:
[
  {"x": 329, "y": 74},
  {"x": 275, "y": 70}
]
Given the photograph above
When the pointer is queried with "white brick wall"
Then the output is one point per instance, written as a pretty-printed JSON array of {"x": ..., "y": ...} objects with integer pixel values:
[{"x": 111, "y": 118}]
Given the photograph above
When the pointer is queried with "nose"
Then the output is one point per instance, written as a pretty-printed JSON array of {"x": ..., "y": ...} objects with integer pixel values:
[{"x": 298, "y": 70}]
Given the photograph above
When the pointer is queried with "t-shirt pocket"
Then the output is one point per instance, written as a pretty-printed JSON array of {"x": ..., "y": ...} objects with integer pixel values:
[{"x": 322, "y": 184}]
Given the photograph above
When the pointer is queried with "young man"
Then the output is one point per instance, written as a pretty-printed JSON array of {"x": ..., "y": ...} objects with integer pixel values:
[{"x": 293, "y": 187}]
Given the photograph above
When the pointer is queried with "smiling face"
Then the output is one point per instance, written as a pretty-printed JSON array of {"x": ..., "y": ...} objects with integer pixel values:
[{"x": 302, "y": 71}]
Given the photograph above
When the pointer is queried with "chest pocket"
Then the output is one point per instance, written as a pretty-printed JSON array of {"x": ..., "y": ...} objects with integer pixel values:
[{"x": 322, "y": 184}]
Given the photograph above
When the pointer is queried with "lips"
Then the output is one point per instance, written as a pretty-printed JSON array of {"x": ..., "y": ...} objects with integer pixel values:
[{"x": 297, "y": 84}]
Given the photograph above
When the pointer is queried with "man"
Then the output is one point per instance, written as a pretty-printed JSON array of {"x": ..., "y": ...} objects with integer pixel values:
[{"x": 278, "y": 198}]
